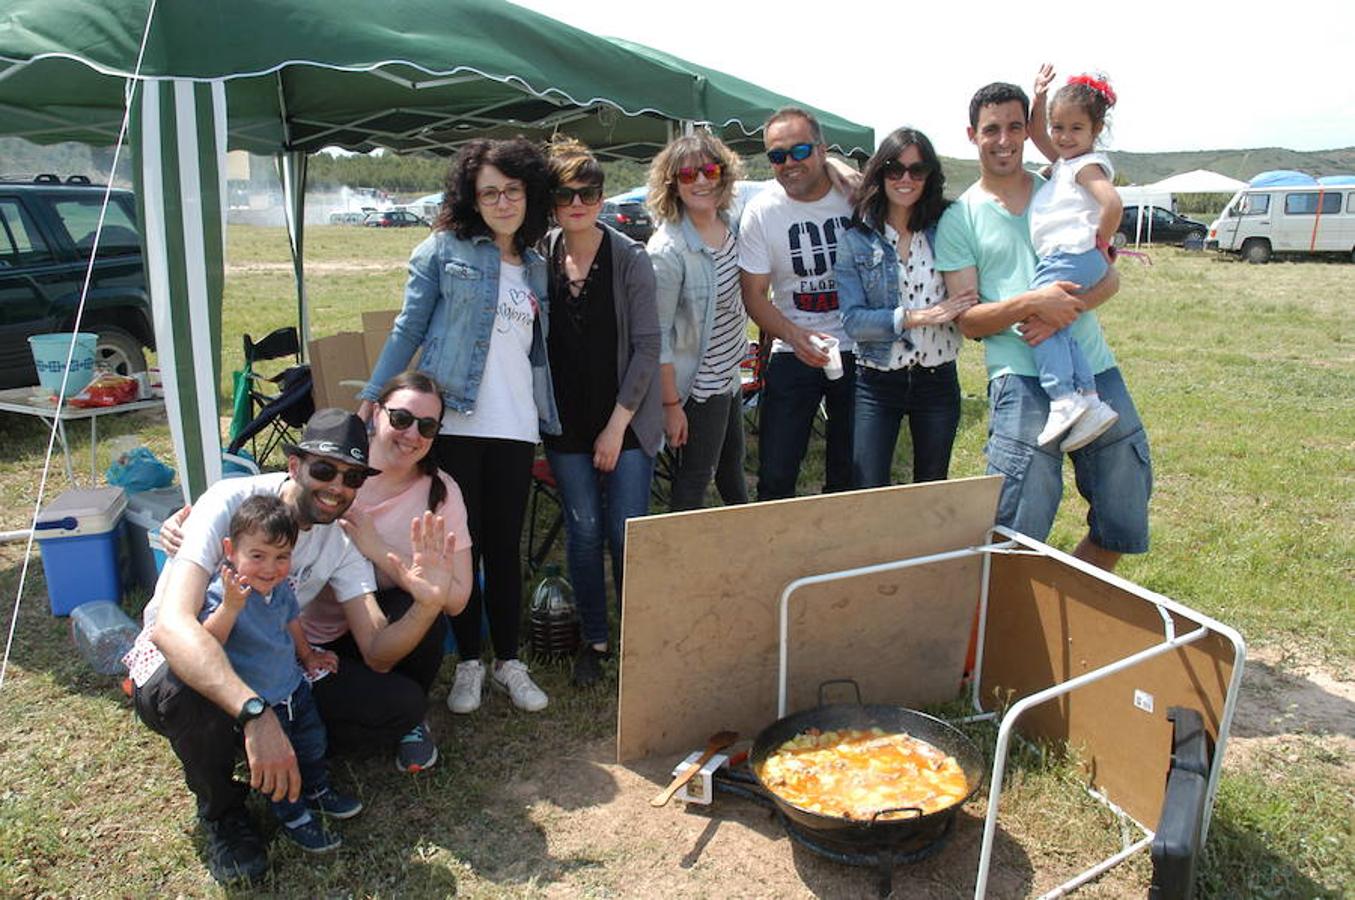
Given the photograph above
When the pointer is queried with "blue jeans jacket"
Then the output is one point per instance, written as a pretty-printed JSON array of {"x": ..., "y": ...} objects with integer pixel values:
[
  {"x": 451, "y": 300},
  {"x": 684, "y": 272},
  {"x": 867, "y": 272}
]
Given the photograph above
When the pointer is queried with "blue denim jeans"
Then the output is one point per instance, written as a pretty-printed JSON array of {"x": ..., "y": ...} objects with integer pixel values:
[
  {"x": 790, "y": 399},
  {"x": 301, "y": 722},
  {"x": 1062, "y": 364},
  {"x": 929, "y": 397},
  {"x": 1114, "y": 472},
  {"x": 597, "y": 505}
]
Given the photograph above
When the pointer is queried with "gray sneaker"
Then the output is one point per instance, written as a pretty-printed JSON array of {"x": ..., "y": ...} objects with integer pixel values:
[{"x": 511, "y": 677}]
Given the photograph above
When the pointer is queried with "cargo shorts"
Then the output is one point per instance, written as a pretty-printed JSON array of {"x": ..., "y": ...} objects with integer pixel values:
[{"x": 1114, "y": 472}]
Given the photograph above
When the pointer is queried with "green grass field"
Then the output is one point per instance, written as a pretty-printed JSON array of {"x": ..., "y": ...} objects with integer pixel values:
[{"x": 1245, "y": 378}]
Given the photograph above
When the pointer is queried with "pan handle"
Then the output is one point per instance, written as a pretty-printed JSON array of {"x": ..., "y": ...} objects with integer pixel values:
[
  {"x": 852, "y": 681},
  {"x": 893, "y": 809}
]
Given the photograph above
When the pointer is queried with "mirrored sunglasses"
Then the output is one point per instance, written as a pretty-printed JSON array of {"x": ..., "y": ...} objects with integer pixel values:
[
  {"x": 893, "y": 170},
  {"x": 401, "y": 419},
  {"x": 797, "y": 152},
  {"x": 326, "y": 471},
  {"x": 688, "y": 174}
]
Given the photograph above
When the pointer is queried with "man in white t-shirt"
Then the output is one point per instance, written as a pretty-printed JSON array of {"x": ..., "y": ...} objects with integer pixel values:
[
  {"x": 198, "y": 701},
  {"x": 788, "y": 243}
]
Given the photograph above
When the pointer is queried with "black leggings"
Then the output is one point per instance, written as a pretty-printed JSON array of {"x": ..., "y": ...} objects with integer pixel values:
[
  {"x": 365, "y": 710},
  {"x": 495, "y": 477}
]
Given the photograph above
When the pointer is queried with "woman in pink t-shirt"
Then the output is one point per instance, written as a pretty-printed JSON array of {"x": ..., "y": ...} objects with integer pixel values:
[{"x": 405, "y": 420}]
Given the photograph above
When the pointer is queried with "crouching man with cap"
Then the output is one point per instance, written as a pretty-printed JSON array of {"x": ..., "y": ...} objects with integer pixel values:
[{"x": 195, "y": 698}]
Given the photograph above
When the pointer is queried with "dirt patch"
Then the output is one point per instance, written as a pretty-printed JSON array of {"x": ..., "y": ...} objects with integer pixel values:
[{"x": 1284, "y": 699}]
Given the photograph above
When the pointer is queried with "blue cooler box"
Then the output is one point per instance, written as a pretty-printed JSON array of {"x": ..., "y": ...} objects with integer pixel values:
[{"x": 79, "y": 533}]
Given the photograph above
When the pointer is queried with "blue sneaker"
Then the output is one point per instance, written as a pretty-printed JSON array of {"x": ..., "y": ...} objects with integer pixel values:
[
  {"x": 312, "y": 836},
  {"x": 416, "y": 751},
  {"x": 333, "y": 804}
]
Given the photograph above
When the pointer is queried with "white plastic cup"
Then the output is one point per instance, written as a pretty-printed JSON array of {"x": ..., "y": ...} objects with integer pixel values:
[{"x": 832, "y": 368}]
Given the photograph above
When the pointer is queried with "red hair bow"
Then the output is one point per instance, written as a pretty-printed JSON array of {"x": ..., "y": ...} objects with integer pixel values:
[{"x": 1100, "y": 85}]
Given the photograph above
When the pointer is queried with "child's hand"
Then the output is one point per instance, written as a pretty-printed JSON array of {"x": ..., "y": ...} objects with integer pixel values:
[
  {"x": 234, "y": 587},
  {"x": 1043, "y": 79},
  {"x": 316, "y": 661}
]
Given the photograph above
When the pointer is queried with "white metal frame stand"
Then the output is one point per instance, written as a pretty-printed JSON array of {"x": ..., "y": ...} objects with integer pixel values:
[{"x": 1016, "y": 543}]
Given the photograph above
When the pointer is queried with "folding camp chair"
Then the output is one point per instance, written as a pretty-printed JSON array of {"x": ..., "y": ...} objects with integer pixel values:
[
  {"x": 541, "y": 535},
  {"x": 279, "y": 412}
]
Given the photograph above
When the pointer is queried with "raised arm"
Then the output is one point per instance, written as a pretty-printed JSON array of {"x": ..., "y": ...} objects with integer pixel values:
[{"x": 1038, "y": 129}]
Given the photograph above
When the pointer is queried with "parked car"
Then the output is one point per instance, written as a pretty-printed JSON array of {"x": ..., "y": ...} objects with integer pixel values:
[
  {"x": 1288, "y": 212},
  {"x": 628, "y": 217},
  {"x": 1161, "y": 226},
  {"x": 347, "y": 218},
  {"x": 394, "y": 218},
  {"x": 46, "y": 234}
]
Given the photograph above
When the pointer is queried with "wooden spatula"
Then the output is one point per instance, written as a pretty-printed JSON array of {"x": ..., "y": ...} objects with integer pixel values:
[{"x": 717, "y": 742}]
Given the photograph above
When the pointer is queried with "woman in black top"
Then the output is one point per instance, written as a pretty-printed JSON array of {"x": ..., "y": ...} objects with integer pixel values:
[{"x": 604, "y": 353}]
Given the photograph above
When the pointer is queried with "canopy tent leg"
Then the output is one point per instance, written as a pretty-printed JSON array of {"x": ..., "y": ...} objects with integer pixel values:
[
  {"x": 292, "y": 168},
  {"x": 179, "y": 151}
]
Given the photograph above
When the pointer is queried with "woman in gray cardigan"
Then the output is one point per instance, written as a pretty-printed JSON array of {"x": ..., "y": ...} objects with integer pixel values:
[
  {"x": 701, "y": 316},
  {"x": 604, "y": 353}
]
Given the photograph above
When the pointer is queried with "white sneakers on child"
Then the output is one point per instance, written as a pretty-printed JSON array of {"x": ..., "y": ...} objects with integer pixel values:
[
  {"x": 1063, "y": 412},
  {"x": 511, "y": 677},
  {"x": 467, "y": 688},
  {"x": 1090, "y": 426},
  {"x": 1085, "y": 418}
]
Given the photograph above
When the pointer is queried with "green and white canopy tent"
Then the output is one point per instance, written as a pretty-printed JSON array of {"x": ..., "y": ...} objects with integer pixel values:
[{"x": 289, "y": 77}]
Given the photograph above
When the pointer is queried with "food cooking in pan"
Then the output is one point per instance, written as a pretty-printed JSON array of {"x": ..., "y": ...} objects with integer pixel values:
[{"x": 856, "y": 773}]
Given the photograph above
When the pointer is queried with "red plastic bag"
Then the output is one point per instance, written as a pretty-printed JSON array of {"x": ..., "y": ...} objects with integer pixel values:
[{"x": 106, "y": 390}]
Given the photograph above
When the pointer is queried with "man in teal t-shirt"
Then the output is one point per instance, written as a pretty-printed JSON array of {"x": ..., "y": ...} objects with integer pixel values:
[{"x": 983, "y": 240}]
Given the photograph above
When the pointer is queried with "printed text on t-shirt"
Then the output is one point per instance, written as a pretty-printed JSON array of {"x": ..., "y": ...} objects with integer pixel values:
[
  {"x": 813, "y": 251},
  {"x": 519, "y": 309}
]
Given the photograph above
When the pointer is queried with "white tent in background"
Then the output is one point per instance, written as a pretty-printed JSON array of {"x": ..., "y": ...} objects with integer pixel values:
[
  {"x": 1144, "y": 195},
  {"x": 1200, "y": 181}
]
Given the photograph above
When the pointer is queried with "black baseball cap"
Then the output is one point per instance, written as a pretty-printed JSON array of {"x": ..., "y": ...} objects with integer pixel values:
[{"x": 335, "y": 434}]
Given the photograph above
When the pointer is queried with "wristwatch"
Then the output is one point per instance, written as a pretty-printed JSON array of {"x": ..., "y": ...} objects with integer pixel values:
[{"x": 252, "y": 709}]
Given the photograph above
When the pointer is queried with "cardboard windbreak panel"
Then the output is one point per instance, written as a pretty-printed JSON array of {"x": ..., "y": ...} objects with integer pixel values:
[
  {"x": 1048, "y": 623},
  {"x": 699, "y": 631}
]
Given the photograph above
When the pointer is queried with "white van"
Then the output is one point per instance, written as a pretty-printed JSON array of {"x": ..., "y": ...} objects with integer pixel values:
[{"x": 1287, "y": 213}]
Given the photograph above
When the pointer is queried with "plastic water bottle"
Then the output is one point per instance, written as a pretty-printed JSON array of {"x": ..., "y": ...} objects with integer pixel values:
[
  {"x": 103, "y": 634},
  {"x": 554, "y": 619}
]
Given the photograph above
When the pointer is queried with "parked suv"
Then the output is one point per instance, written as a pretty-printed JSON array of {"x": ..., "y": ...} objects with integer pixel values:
[
  {"x": 46, "y": 233},
  {"x": 1164, "y": 226},
  {"x": 629, "y": 218}
]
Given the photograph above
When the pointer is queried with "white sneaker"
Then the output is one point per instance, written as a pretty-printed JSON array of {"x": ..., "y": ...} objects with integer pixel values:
[
  {"x": 512, "y": 678},
  {"x": 1091, "y": 426},
  {"x": 1063, "y": 412},
  {"x": 467, "y": 687}
]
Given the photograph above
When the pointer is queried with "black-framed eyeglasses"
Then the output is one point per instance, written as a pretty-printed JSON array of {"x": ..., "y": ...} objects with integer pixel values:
[
  {"x": 490, "y": 196},
  {"x": 893, "y": 170},
  {"x": 589, "y": 195},
  {"x": 688, "y": 174},
  {"x": 326, "y": 471},
  {"x": 797, "y": 152},
  {"x": 401, "y": 419}
]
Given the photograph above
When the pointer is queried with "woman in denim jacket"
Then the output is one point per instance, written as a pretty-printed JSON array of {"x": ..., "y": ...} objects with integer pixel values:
[
  {"x": 475, "y": 303},
  {"x": 894, "y": 305},
  {"x": 604, "y": 349},
  {"x": 701, "y": 316}
]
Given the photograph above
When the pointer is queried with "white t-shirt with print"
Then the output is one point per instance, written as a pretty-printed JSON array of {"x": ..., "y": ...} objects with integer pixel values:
[
  {"x": 1064, "y": 215},
  {"x": 505, "y": 406},
  {"x": 796, "y": 243},
  {"x": 323, "y": 553}
]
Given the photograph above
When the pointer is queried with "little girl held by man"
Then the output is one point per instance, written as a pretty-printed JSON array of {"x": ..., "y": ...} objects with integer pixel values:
[{"x": 1072, "y": 219}]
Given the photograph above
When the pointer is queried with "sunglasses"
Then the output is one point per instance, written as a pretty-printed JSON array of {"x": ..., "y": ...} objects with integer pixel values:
[
  {"x": 893, "y": 170},
  {"x": 688, "y": 174},
  {"x": 490, "y": 196},
  {"x": 564, "y": 196},
  {"x": 324, "y": 470},
  {"x": 402, "y": 418},
  {"x": 798, "y": 152}
]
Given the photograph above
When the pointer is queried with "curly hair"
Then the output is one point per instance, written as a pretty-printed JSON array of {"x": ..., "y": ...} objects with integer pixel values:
[
  {"x": 569, "y": 159},
  {"x": 1090, "y": 93},
  {"x": 692, "y": 149},
  {"x": 871, "y": 206},
  {"x": 428, "y": 464},
  {"x": 517, "y": 158}
]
